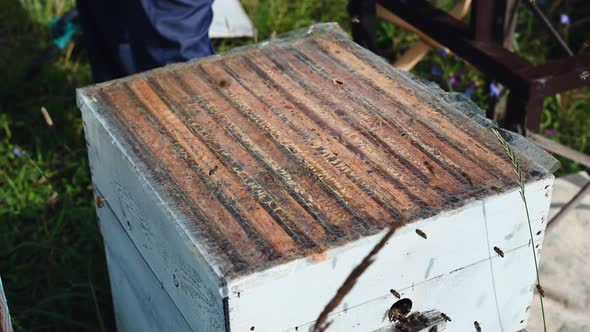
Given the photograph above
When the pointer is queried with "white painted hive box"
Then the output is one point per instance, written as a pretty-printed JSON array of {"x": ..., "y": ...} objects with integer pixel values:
[{"x": 237, "y": 192}]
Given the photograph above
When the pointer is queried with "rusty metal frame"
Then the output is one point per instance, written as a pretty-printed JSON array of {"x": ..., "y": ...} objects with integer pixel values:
[{"x": 480, "y": 43}]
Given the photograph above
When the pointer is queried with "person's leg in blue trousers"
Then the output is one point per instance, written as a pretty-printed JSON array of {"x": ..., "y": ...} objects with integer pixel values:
[{"x": 124, "y": 37}]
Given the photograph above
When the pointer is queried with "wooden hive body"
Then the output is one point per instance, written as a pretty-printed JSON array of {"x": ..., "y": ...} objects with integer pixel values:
[{"x": 239, "y": 191}]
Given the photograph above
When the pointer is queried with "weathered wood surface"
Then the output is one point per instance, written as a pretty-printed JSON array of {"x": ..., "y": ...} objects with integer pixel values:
[
  {"x": 455, "y": 270},
  {"x": 156, "y": 229},
  {"x": 285, "y": 150},
  {"x": 252, "y": 183},
  {"x": 5, "y": 323}
]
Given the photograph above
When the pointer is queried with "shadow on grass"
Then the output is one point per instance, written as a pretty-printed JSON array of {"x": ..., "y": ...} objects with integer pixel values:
[{"x": 51, "y": 256}]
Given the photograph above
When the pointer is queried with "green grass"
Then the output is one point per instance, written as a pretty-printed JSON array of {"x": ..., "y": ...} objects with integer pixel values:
[{"x": 51, "y": 256}]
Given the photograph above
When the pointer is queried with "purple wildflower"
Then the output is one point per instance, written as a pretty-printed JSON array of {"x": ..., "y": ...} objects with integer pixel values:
[
  {"x": 551, "y": 132},
  {"x": 469, "y": 91},
  {"x": 564, "y": 19},
  {"x": 17, "y": 152},
  {"x": 494, "y": 90},
  {"x": 443, "y": 52},
  {"x": 453, "y": 80},
  {"x": 436, "y": 71}
]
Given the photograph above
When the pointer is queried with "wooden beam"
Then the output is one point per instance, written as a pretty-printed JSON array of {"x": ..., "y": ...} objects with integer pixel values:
[
  {"x": 390, "y": 17},
  {"x": 490, "y": 58},
  {"x": 417, "y": 52},
  {"x": 559, "y": 149}
]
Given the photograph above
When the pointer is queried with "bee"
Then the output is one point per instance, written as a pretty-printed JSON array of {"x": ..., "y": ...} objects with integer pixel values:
[
  {"x": 540, "y": 290},
  {"x": 395, "y": 293},
  {"x": 499, "y": 252},
  {"x": 477, "y": 326},
  {"x": 213, "y": 170},
  {"x": 99, "y": 201},
  {"x": 337, "y": 82},
  {"x": 445, "y": 317},
  {"x": 421, "y": 233}
]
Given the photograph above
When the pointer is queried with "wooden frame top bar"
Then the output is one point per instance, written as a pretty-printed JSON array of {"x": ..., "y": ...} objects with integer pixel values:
[{"x": 287, "y": 148}]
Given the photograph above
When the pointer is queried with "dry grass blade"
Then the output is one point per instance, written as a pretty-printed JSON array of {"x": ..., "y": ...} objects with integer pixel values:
[
  {"x": 517, "y": 170},
  {"x": 47, "y": 117},
  {"x": 321, "y": 324}
]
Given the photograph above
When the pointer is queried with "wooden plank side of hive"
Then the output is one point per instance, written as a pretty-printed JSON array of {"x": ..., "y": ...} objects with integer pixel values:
[
  {"x": 455, "y": 270},
  {"x": 140, "y": 301},
  {"x": 153, "y": 226}
]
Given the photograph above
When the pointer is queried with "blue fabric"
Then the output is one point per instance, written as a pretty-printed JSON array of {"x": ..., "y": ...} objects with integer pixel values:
[{"x": 124, "y": 37}]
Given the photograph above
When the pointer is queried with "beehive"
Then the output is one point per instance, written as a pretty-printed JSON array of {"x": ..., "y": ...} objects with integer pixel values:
[{"x": 238, "y": 191}]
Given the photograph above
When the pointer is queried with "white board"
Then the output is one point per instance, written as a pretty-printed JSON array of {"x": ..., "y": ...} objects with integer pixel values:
[
  {"x": 230, "y": 20},
  {"x": 455, "y": 271},
  {"x": 139, "y": 299}
]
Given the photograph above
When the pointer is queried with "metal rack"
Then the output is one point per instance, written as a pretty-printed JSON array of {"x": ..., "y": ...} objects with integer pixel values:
[{"x": 481, "y": 44}]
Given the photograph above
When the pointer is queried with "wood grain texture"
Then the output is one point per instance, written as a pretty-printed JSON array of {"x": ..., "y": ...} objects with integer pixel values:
[
  {"x": 285, "y": 150},
  {"x": 5, "y": 323},
  {"x": 157, "y": 229},
  {"x": 455, "y": 270}
]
